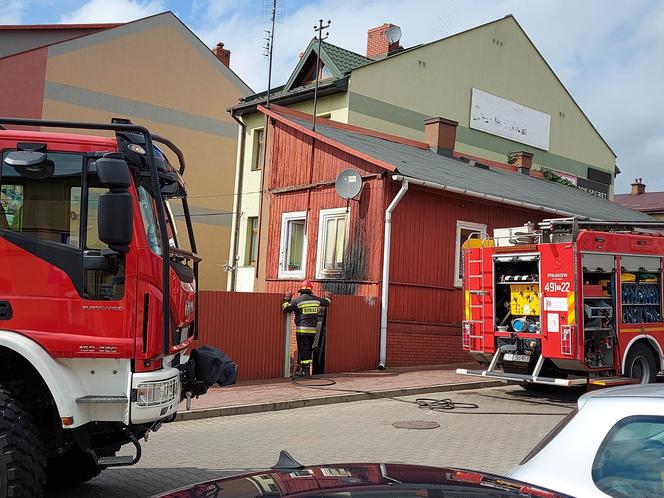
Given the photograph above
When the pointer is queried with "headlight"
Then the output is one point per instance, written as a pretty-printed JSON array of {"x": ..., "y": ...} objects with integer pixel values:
[{"x": 156, "y": 393}]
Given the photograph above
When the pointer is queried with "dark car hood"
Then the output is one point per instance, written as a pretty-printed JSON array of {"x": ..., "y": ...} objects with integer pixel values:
[{"x": 364, "y": 480}]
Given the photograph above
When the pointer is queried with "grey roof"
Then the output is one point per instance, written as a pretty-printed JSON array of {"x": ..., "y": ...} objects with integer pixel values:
[{"x": 424, "y": 164}]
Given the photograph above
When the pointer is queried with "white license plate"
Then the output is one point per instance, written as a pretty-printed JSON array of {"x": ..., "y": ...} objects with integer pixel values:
[{"x": 516, "y": 357}]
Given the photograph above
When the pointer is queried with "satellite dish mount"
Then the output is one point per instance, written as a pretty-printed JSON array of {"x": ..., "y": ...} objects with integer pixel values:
[{"x": 348, "y": 184}]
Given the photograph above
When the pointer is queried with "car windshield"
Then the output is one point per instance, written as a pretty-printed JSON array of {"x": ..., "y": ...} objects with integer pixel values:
[{"x": 630, "y": 461}]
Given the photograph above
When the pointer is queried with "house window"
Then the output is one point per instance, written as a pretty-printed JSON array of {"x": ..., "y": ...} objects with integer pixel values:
[
  {"x": 251, "y": 247},
  {"x": 464, "y": 229},
  {"x": 293, "y": 254},
  {"x": 257, "y": 157},
  {"x": 332, "y": 239}
]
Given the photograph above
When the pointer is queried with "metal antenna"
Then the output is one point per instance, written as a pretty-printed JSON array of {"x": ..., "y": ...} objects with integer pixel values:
[
  {"x": 319, "y": 33},
  {"x": 269, "y": 44}
]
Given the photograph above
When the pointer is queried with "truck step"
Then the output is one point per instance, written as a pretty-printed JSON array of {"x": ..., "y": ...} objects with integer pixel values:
[
  {"x": 115, "y": 461},
  {"x": 120, "y": 460},
  {"x": 612, "y": 381},
  {"x": 496, "y": 374},
  {"x": 102, "y": 399}
]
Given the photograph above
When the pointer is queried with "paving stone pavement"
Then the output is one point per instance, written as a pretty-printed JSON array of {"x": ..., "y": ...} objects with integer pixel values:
[{"x": 508, "y": 423}]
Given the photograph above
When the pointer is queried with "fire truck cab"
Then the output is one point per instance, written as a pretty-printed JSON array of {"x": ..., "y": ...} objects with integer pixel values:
[
  {"x": 566, "y": 302},
  {"x": 98, "y": 299}
]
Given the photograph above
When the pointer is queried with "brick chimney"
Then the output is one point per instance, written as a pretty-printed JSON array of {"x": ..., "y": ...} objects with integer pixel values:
[
  {"x": 223, "y": 54},
  {"x": 440, "y": 134},
  {"x": 523, "y": 161},
  {"x": 638, "y": 187},
  {"x": 378, "y": 45}
]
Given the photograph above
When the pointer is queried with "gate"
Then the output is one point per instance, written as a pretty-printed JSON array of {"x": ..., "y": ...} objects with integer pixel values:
[
  {"x": 353, "y": 334},
  {"x": 248, "y": 327}
]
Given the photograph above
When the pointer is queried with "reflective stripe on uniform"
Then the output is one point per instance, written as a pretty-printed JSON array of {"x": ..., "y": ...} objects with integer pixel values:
[
  {"x": 305, "y": 362},
  {"x": 306, "y": 330},
  {"x": 284, "y": 304}
]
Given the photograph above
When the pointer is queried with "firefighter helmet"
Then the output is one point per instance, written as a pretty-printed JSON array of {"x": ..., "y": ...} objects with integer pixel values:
[{"x": 305, "y": 286}]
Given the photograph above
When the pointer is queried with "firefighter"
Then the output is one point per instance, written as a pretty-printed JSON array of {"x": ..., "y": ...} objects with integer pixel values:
[{"x": 306, "y": 308}]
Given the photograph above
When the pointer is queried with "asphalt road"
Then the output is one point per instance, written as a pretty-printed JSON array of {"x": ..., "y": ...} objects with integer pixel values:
[{"x": 493, "y": 438}]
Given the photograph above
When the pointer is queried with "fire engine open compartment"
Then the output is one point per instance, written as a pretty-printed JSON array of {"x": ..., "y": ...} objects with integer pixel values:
[
  {"x": 517, "y": 293},
  {"x": 641, "y": 289},
  {"x": 599, "y": 310}
]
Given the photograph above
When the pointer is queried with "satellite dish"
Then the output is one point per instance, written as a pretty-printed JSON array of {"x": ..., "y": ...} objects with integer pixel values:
[
  {"x": 348, "y": 184},
  {"x": 393, "y": 34}
]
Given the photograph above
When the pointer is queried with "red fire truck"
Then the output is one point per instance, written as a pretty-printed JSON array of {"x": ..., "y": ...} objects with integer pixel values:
[
  {"x": 97, "y": 299},
  {"x": 566, "y": 302}
]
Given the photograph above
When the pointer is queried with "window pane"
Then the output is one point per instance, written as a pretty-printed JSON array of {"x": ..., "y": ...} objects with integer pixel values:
[
  {"x": 295, "y": 245},
  {"x": 251, "y": 247},
  {"x": 630, "y": 461},
  {"x": 92, "y": 235},
  {"x": 37, "y": 201},
  {"x": 464, "y": 233},
  {"x": 149, "y": 220},
  {"x": 258, "y": 150},
  {"x": 254, "y": 239},
  {"x": 340, "y": 243},
  {"x": 330, "y": 240}
]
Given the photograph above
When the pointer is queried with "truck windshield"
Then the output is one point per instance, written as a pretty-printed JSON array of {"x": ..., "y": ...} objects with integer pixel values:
[{"x": 175, "y": 222}]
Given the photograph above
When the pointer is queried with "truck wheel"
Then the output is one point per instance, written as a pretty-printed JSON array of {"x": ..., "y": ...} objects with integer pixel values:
[
  {"x": 71, "y": 469},
  {"x": 22, "y": 460},
  {"x": 641, "y": 364}
]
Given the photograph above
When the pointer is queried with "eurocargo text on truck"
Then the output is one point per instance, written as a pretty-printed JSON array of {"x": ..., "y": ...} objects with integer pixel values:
[
  {"x": 566, "y": 302},
  {"x": 98, "y": 301}
]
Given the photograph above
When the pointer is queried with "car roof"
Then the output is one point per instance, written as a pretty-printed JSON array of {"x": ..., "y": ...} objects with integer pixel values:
[{"x": 655, "y": 391}]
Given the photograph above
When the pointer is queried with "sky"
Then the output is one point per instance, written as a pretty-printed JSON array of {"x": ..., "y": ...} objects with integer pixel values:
[{"x": 608, "y": 53}]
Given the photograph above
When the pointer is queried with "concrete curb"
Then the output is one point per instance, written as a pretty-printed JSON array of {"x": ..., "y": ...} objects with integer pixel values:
[{"x": 226, "y": 411}]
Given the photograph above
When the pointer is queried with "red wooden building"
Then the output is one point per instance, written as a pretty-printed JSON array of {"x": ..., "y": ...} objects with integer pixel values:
[{"x": 436, "y": 199}]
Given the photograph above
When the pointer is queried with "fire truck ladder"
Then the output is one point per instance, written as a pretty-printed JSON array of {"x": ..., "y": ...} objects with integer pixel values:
[{"x": 476, "y": 333}]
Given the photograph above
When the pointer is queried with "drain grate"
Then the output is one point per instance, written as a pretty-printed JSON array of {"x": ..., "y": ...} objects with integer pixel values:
[{"x": 416, "y": 424}]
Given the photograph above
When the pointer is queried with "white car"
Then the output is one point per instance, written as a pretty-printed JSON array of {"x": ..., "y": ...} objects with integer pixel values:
[{"x": 612, "y": 444}]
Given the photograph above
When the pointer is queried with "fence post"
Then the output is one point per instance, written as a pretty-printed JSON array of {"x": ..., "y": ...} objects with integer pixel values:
[{"x": 287, "y": 345}]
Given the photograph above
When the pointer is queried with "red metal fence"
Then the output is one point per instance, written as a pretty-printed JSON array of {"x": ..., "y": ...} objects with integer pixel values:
[
  {"x": 251, "y": 329},
  {"x": 248, "y": 327},
  {"x": 353, "y": 334}
]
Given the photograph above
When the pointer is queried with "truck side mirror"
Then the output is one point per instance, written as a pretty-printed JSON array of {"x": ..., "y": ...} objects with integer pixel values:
[{"x": 116, "y": 208}]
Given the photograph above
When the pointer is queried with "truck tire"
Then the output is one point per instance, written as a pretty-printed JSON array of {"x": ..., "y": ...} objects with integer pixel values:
[
  {"x": 71, "y": 469},
  {"x": 641, "y": 364},
  {"x": 22, "y": 460}
]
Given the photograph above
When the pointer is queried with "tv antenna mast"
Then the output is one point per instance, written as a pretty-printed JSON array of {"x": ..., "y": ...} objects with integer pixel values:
[
  {"x": 272, "y": 14},
  {"x": 319, "y": 34}
]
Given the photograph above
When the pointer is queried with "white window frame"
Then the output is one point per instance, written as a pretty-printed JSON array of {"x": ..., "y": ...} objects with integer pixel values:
[
  {"x": 285, "y": 219},
  {"x": 463, "y": 225},
  {"x": 323, "y": 215}
]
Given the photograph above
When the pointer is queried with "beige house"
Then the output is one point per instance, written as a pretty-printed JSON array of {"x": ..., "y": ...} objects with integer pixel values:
[
  {"x": 490, "y": 79},
  {"x": 157, "y": 73}
]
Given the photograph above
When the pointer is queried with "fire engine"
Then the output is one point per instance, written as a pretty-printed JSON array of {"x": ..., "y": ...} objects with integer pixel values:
[
  {"x": 98, "y": 299},
  {"x": 566, "y": 302}
]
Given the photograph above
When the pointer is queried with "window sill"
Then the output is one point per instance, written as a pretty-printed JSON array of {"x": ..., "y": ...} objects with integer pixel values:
[{"x": 291, "y": 276}]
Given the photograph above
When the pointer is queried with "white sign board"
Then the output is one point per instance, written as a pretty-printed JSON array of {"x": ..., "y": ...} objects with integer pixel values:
[{"x": 509, "y": 120}]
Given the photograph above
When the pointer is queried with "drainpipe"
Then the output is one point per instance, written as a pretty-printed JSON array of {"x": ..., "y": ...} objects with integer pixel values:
[
  {"x": 386, "y": 272},
  {"x": 237, "y": 205}
]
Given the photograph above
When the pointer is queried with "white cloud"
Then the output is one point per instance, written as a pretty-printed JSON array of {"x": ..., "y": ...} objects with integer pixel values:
[
  {"x": 105, "y": 11},
  {"x": 609, "y": 58},
  {"x": 12, "y": 11}
]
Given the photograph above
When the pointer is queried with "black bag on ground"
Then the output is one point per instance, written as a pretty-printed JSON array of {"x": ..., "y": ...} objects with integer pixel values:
[{"x": 213, "y": 366}]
